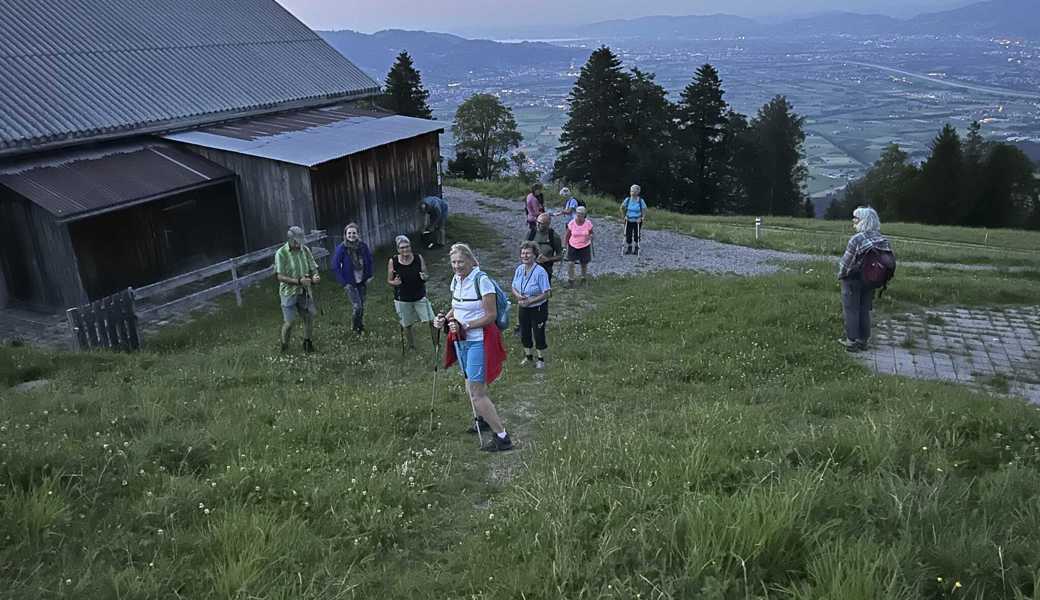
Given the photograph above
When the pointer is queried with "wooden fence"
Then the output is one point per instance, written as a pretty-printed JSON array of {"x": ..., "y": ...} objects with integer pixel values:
[{"x": 112, "y": 322}]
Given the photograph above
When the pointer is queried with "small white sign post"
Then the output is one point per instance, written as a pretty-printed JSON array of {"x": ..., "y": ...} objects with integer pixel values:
[{"x": 758, "y": 227}]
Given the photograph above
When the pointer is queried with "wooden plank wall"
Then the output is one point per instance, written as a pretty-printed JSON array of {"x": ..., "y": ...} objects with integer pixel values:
[
  {"x": 273, "y": 195},
  {"x": 39, "y": 261},
  {"x": 380, "y": 189},
  {"x": 150, "y": 242}
]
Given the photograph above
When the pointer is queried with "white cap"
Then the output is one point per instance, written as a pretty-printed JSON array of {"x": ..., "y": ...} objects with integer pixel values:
[{"x": 565, "y": 191}]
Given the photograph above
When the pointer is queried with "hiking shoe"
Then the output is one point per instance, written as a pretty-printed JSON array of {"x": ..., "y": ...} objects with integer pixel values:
[
  {"x": 285, "y": 347},
  {"x": 628, "y": 249},
  {"x": 539, "y": 364},
  {"x": 483, "y": 426},
  {"x": 847, "y": 342},
  {"x": 498, "y": 444},
  {"x": 526, "y": 361},
  {"x": 308, "y": 346},
  {"x": 636, "y": 251}
]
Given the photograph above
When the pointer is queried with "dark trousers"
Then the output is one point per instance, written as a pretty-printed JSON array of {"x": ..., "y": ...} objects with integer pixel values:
[
  {"x": 532, "y": 228},
  {"x": 532, "y": 324},
  {"x": 857, "y": 300},
  {"x": 632, "y": 231}
]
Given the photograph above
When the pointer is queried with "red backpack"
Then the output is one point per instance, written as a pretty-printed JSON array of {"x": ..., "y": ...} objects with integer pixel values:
[{"x": 879, "y": 266}]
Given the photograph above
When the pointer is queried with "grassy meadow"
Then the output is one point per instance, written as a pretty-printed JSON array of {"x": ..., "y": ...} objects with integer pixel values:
[
  {"x": 693, "y": 437},
  {"x": 914, "y": 242}
]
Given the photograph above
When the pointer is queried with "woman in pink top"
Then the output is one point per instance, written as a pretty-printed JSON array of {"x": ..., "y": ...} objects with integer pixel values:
[
  {"x": 578, "y": 240},
  {"x": 535, "y": 207}
]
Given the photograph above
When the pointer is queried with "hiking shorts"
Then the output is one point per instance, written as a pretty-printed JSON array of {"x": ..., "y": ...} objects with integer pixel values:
[
  {"x": 410, "y": 313},
  {"x": 471, "y": 358},
  {"x": 298, "y": 305},
  {"x": 579, "y": 255}
]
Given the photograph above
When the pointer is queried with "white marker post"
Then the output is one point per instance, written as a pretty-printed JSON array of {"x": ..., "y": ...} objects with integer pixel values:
[{"x": 758, "y": 227}]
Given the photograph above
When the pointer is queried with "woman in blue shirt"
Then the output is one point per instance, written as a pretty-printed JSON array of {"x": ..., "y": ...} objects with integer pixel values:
[
  {"x": 633, "y": 211},
  {"x": 531, "y": 290}
]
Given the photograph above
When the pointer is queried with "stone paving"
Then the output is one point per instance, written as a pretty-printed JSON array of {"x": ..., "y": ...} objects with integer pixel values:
[{"x": 998, "y": 349}]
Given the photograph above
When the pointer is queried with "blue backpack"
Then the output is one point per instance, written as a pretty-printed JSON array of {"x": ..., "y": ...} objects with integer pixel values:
[{"x": 502, "y": 303}]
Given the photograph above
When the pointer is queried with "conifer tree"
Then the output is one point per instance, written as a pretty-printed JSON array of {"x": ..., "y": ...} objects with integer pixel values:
[
  {"x": 941, "y": 178},
  {"x": 592, "y": 147},
  {"x": 702, "y": 123},
  {"x": 403, "y": 91},
  {"x": 649, "y": 134},
  {"x": 780, "y": 139}
]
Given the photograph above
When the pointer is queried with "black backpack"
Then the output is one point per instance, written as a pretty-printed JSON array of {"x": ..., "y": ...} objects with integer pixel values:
[{"x": 879, "y": 266}]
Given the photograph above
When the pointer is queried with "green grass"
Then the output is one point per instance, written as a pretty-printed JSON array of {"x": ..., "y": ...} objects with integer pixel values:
[
  {"x": 913, "y": 242},
  {"x": 694, "y": 437}
]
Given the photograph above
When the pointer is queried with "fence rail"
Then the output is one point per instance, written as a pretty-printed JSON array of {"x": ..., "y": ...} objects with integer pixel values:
[{"x": 112, "y": 322}]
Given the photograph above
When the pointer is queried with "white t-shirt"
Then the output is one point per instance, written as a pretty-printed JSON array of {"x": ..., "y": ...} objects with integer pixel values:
[{"x": 465, "y": 303}]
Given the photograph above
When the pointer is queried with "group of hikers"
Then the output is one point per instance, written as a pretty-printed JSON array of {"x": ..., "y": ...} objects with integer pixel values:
[{"x": 479, "y": 307}]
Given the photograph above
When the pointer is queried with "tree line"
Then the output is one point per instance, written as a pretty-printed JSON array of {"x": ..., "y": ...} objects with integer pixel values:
[
  {"x": 698, "y": 155},
  {"x": 694, "y": 156},
  {"x": 970, "y": 182}
]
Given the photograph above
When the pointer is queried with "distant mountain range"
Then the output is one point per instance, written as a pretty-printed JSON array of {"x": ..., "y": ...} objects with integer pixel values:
[
  {"x": 445, "y": 57},
  {"x": 1015, "y": 18}
]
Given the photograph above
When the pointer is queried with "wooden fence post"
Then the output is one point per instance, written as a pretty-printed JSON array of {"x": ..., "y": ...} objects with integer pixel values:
[
  {"x": 133, "y": 339},
  {"x": 234, "y": 279},
  {"x": 79, "y": 336}
]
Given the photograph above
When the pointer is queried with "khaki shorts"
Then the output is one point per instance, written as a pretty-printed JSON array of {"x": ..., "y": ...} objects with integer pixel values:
[{"x": 410, "y": 313}]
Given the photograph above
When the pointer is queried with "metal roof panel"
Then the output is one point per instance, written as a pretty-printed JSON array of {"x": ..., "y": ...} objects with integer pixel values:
[
  {"x": 308, "y": 138},
  {"x": 72, "y": 70},
  {"x": 77, "y": 184}
]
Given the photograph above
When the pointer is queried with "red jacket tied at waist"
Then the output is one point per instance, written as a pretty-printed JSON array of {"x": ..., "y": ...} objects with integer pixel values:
[{"x": 494, "y": 352}]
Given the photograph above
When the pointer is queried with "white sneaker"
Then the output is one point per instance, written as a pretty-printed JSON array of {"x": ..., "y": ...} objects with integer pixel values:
[
  {"x": 526, "y": 361},
  {"x": 539, "y": 364}
]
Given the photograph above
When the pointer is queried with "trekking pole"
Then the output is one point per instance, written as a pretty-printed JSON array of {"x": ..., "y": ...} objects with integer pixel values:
[
  {"x": 472, "y": 405},
  {"x": 436, "y": 357},
  {"x": 402, "y": 341}
]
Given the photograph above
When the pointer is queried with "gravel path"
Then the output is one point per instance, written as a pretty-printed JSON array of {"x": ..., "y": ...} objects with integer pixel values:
[{"x": 659, "y": 250}]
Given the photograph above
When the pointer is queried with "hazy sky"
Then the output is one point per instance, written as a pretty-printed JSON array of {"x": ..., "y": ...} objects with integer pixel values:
[{"x": 473, "y": 15}]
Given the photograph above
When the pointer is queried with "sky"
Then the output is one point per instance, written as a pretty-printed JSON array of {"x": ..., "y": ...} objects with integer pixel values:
[{"x": 471, "y": 16}]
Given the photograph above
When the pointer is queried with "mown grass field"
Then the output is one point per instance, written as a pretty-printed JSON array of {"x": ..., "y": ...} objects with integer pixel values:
[
  {"x": 693, "y": 437},
  {"x": 915, "y": 242}
]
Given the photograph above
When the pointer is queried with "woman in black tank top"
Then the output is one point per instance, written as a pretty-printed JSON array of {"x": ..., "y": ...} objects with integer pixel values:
[
  {"x": 412, "y": 288},
  {"x": 406, "y": 272}
]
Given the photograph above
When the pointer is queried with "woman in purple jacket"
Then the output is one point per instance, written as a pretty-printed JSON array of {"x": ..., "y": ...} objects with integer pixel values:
[{"x": 352, "y": 266}]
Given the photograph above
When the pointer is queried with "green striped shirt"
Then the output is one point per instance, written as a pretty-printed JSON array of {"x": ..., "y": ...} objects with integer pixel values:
[{"x": 295, "y": 265}]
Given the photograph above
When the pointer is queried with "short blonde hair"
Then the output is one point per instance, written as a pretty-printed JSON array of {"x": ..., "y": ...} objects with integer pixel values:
[
  {"x": 352, "y": 226},
  {"x": 464, "y": 250}
]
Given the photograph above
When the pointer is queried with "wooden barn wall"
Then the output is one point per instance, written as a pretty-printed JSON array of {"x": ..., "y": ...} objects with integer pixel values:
[
  {"x": 380, "y": 189},
  {"x": 273, "y": 195},
  {"x": 150, "y": 242},
  {"x": 40, "y": 264}
]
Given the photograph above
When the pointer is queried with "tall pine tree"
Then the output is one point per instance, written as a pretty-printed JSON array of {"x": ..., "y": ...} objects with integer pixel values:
[
  {"x": 649, "y": 134},
  {"x": 403, "y": 91},
  {"x": 941, "y": 178},
  {"x": 592, "y": 147},
  {"x": 702, "y": 124},
  {"x": 780, "y": 139}
]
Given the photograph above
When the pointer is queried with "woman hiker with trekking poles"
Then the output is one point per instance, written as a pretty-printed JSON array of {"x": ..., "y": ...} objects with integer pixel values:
[
  {"x": 352, "y": 266},
  {"x": 406, "y": 272},
  {"x": 475, "y": 341},
  {"x": 633, "y": 211}
]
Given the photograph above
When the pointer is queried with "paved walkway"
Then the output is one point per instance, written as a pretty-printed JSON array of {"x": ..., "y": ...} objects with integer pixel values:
[{"x": 995, "y": 348}]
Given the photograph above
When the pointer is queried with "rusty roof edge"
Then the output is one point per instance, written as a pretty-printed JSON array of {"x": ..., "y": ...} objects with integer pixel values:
[
  {"x": 136, "y": 201},
  {"x": 177, "y": 125}
]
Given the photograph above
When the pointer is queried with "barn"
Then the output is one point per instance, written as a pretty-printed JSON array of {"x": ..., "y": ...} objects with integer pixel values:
[{"x": 141, "y": 139}]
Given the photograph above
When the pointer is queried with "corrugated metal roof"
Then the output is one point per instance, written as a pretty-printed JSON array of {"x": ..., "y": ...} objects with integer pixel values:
[
  {"x": 78, "y": 184},
  {"x": 310, "y": 137},
  {"x": 79, "y": 69}
]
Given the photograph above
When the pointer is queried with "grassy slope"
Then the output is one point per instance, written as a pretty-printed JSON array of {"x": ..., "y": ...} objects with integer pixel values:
[
  {"x": 709, "y": 443},
  {"x": 1001, "y": 247}
]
